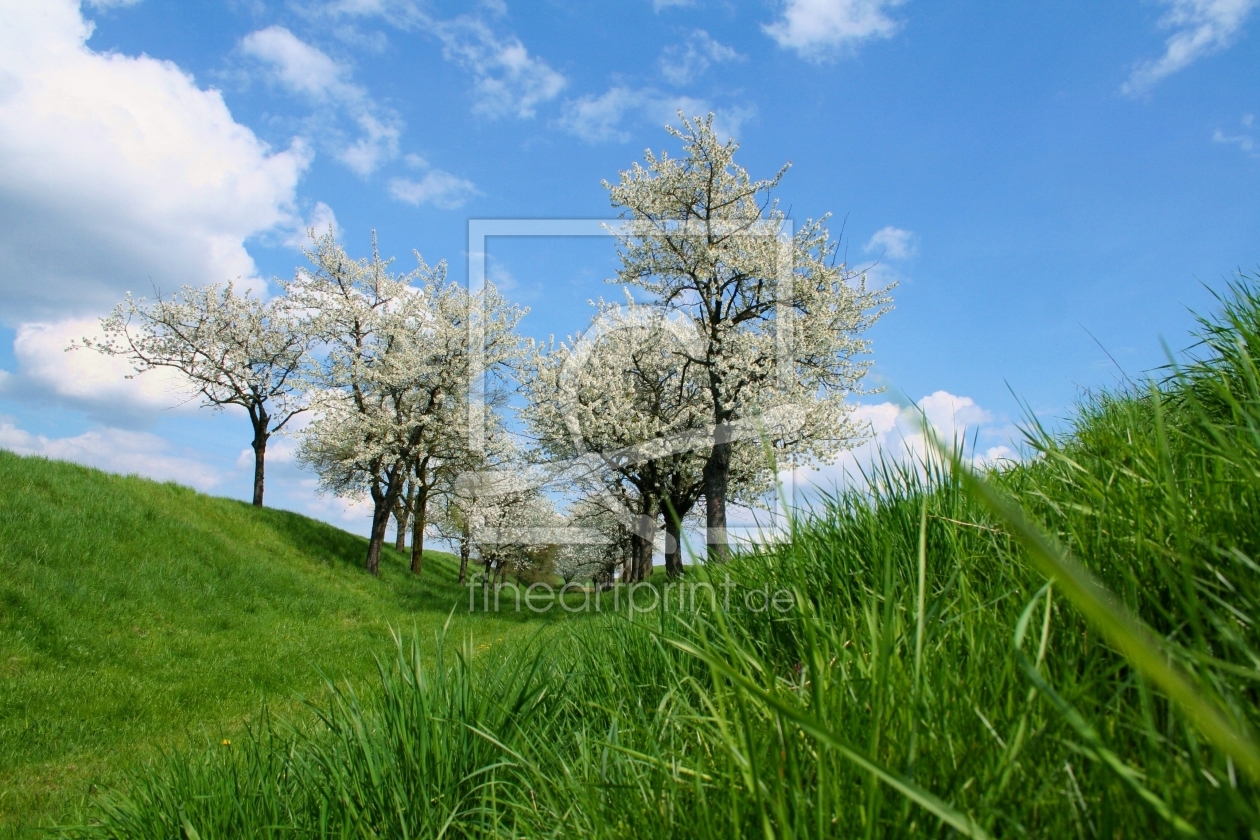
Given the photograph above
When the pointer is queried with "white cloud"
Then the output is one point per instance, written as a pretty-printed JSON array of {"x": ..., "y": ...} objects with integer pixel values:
[
  {"x": 507, "y": 80},
  {"x": 818, "y": 29},
  {"x": 500, "y": 275},
  {"x": 1200, "y": 27},
  {"x": 894, "y": 243},
  {"x": 896, "y": 434},
  {"x": 403, "y": 14},
  {"x": 681, "y": 63},
  {"x": 659, "y": 5},
  {"x": 1244, "y": 141},
  {"x": 298, "y": 66},
  {"x": 378, "y": 144},
  {"x": 340, "y": 511},
  {"x": 115, "y": 170},
  {"x": 280, "y": 450},
  {"x": 111, "y": 4},
  {"x": 950, "y": 415},
  {"x": 441, "y": 189},
  {"x": 320, "y": 218},
  {"x": 114, "y": 450},
  {"x": 599, "y": 119},
  {"x": 305, "y": 70},
  {"x": 87, "y": 379}
]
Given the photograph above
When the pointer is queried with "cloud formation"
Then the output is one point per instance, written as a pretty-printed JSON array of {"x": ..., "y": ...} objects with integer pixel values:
[
  {"x": 598, "y": 119},
  {"x": 896, "y": 434},
  {"x": 1200, "y": 28},
  {"x": 893, "y": 243},
  {"x": 305, "y": 70},
  {"x": 116, "y": 451},
  {"x": 681, "y": 63},
  {"x": 441, "y": 189},
  {"x": 1244, "y": 140},
  {"x": 118, "y": 171},
  {"x": 507, "y": 80},
  {"x": 321, "y": 218},
  {"x": 820, "y": 29}
]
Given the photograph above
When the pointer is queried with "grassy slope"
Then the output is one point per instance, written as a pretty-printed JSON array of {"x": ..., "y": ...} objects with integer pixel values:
[
  {"x": 135, "y": 615},
  {"x": 922, "y": 639}
]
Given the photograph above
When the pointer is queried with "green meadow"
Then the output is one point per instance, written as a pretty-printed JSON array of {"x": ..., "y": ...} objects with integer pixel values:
[
  {"x": 137, "y": 618},
  {"x": 1060, "y": 647}
]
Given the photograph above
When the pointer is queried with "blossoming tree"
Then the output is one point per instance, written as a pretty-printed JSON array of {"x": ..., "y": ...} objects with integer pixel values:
[
  {"x": 779, "y": 316},
  {"x": 230, "y": 348},
  {"x": 626, "y": 403},
  {"x": 390, "y": 377}
]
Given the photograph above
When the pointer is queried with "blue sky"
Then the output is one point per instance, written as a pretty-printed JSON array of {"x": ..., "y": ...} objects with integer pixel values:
[{"x": 1029, "y": 173}]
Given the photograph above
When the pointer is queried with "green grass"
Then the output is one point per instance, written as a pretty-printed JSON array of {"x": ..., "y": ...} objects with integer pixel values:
[
  {"x": 137, "y": 617},
  {"x": 925, "y": 681}
]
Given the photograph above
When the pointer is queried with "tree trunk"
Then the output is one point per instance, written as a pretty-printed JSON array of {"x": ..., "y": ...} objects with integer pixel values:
[
  {"x": 716, "y": 472},
  {"x": 382, "y": 509},
  {"x": 380, "y": 523},
  {"x": 676, "y": 508},
  {"x": 464, "y": 550},
  {"x": 419, "y": 518},
  {"x": 627, "y": 561},
  {"x": 260, "y": 458},
  {"x": 643, "y": 550},
  {"x": 673, "y": 544},
  {"x": 400, "y": 524}
]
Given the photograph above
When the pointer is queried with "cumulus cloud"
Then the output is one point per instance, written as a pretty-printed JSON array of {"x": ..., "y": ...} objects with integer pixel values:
[
  {"x": 115, "y": 170},
  {"x": 894, "y": 243},
  {"x": 298, "y": 66},
  {"x": 115, "y": 450},
  {"x": 1199, "y": 28},
  {"x": 681, "y": 63},
  {"x": 441, "y": 189},
  {"x": 507, "y": 80},
  {"x": 307, "y": 71},
  {"x": 103, "y": 386},
  {"x": 819, "y": 29},
  {"x": 895, "y": 432},
  {"x": 598, "y": 119}
]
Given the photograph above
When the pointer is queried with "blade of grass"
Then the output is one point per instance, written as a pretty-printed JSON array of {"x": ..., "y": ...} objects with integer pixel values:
[
  {"x": 962, "y": 823},
  {"x": 1122, "y": 629}
]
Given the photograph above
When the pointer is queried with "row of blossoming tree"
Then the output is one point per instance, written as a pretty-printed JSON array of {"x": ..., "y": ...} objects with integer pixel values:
[{"x": 731, "y": 359}]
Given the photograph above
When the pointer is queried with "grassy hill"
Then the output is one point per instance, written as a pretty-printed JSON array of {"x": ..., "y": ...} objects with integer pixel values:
[
  {"x": 922, "y": 680},
  {"x": 135, "y": 616}
]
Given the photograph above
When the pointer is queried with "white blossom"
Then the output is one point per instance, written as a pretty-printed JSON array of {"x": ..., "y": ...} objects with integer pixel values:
[
  {"x": 389, "y": 380},
  {"x": 778, "y": 316},
  {"x": 230, "y": 349}
]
